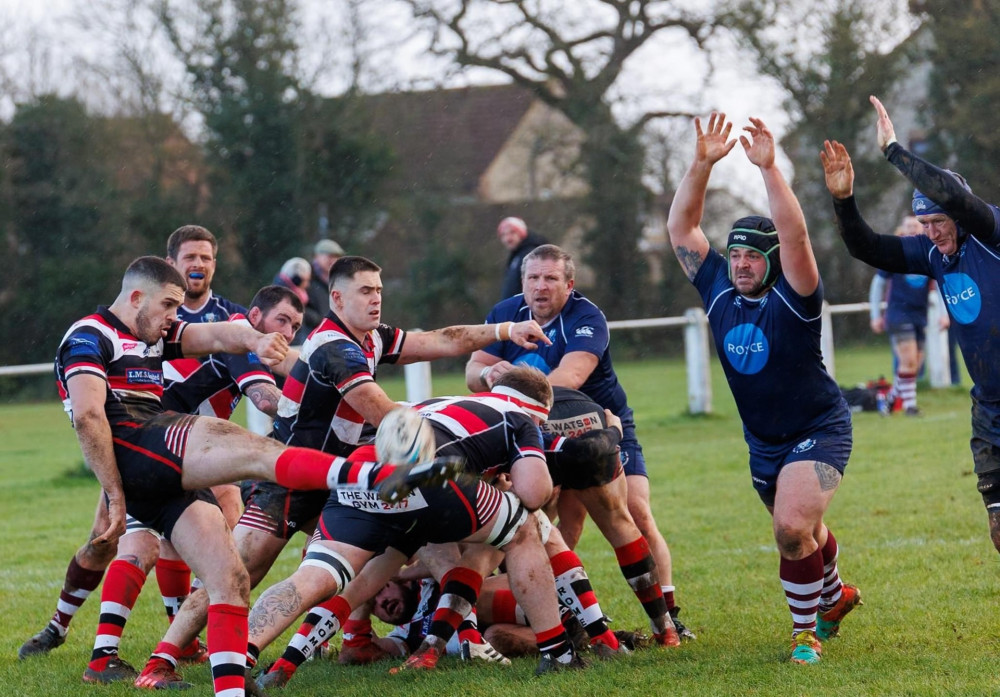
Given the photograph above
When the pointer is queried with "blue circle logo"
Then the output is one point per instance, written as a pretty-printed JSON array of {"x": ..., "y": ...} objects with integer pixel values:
[
  {"x": 746, "y": 348},
  {"x": 962, "y": 296}
]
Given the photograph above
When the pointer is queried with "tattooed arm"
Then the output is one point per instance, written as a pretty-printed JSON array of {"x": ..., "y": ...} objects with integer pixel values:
[
  {"x": 684, "y": 222},
  {"x": 265, "y": 396}
]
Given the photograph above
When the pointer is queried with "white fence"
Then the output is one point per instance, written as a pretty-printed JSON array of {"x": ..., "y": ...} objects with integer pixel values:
[{"x": 697, "y": 349}]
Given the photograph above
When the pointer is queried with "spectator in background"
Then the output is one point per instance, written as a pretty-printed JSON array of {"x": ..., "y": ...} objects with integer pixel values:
[
  {"x": 514, "y": 235},
  {"x": 325, "y": 253},
  {"x": 906, "y": 297},
  {"x": 295, "y": 274}
]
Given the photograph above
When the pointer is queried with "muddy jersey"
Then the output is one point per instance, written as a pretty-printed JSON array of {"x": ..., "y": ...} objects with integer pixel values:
[
  {"x": 488, "y": 429},
  {"x": 101, "y": 345},
  {"x": 770, "y": 350},
  {"x": 969, "y": 282},
  {"x": 906, "y": 301},
  {"x": 213, "y": 385},
  {"x": 312, "y": 411}
]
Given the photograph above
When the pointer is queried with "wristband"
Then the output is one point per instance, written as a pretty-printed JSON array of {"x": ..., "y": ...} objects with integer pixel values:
[
  {"x": 483, "y": 373},
  {"x": 498, "y": 335}
]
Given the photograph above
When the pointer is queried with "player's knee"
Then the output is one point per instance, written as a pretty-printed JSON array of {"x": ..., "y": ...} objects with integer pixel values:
[{"x": 794, "y": 542}]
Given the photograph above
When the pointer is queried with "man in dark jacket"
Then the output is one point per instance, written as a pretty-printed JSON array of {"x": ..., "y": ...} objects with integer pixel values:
[{"x": 514, "y": 235}]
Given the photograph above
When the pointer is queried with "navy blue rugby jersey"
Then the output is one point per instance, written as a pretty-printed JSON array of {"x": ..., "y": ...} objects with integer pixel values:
[
  {"x": 906, "y": 301},
  {"x": 969, "y": 282},
  {"x": 581, "y": 326},
  {"x": 213, "y": 385},
  {"x": 312, "y": 411},
  {"x": 101, "y": 345},
  {"x": 770, "y": 350},
  {"x": 216, "y": 309}
]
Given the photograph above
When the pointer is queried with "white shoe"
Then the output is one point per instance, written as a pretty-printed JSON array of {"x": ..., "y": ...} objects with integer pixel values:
[{"x": 484, "y": 652}]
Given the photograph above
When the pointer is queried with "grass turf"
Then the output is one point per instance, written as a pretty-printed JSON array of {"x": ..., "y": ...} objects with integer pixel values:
[{"x": 911, "y": 527}]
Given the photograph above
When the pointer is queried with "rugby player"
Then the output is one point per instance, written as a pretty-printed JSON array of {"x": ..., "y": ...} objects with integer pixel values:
[
  {"x": 109, "y": 366},
  {"x": 764, "y": 308},
  {"x": 960, "y": 249},
  {"x": 580, "y": 358}
]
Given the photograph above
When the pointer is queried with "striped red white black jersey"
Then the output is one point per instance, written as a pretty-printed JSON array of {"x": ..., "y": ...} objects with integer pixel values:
[
  {"x": 213, "y": 385},
  {"x": 312, "y": 411},
  {"x": 489, "y": 430},
  {"x": 101, "y": 345}
]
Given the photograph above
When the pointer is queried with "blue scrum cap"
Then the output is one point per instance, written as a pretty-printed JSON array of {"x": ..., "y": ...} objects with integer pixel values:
[{"x": 758, "y": 233}]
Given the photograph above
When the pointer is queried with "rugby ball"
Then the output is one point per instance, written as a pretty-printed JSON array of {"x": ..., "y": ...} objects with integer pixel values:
[
  {"x": 573, "y": 413},
  {"x": 404, "y": 438}
]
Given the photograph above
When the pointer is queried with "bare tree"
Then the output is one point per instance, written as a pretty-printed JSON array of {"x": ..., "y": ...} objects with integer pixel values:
[{"x": 571, "y": 55}]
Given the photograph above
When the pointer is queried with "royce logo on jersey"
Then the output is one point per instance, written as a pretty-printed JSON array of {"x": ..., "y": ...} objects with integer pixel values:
[
  {"x": 585, "y": 331},
  {"x": 962, "y": 295},
  {"x": 143, "y": 376},
  {"x": 746, "y": 348}
]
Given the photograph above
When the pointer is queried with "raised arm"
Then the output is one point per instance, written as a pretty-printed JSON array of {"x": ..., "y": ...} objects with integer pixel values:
[
  {"x": 973, "y": 214},
  {"x": 881, "y": 251},
  {"x": 684, "y": 222},
  {"x": 797, "y": 261}
]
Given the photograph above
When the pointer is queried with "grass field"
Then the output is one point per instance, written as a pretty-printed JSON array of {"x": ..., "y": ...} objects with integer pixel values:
[{"x": 911, "y": 527}]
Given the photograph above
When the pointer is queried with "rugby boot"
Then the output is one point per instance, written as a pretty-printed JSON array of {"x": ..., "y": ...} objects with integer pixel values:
[
  {"x": 633, "y": 640},
  {"x": 250, "y": 688},
  {"x": 160, "y": 675},
  {"x": 828, "y": 621},
  {"x": 683, "y": 632},
  {"x": 273, "y": 678},
  {"x": 196, "y": 652},
  {"x": 405, "y": 478},
  {"x": 424, "y": 658},
  {"x": 366, "y": 653},
  {"x": 116, "y": 670},
  {"x": 806, "y": 648},
  {"x": 550, "y": 664},
  {"x": 43, "y": 642},
  {"x": 483, "y": 652},
  {"x": 575, "y": 631},
  {"x": 668, "y": 637},
  {"x": 606, "y": 653}
]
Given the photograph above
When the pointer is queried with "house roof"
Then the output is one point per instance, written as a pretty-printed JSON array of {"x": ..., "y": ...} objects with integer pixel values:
[{"x": 444, "y": 140}]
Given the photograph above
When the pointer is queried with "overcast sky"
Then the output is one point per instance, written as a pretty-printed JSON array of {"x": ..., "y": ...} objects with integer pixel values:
[{"x": 663, "y": 74}]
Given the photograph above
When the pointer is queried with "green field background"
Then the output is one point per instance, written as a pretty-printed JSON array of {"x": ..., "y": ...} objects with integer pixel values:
[{"x": 910, "y": 523}]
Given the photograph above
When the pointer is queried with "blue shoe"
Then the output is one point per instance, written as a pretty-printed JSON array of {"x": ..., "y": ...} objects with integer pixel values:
[{"x": 806, "y": 648}]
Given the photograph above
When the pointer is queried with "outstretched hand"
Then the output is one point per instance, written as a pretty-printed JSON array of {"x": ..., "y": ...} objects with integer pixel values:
[
  {"x": 761, "y": 150},
  {"x": 713, "y": 144},
  {"x": 885, "y": 133},
  {"x": 837, "y": 169}
]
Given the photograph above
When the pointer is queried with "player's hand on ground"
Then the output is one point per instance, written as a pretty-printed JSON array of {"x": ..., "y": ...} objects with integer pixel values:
[
  {"x": 713, "y": 143},
  {"x": 884, "y": 132},
  {"x": 271, "y": 348},
  {"x": 526, "y": 334},
  {"x": 760, "y": 146},
  {"x": 837, "y": 169}
]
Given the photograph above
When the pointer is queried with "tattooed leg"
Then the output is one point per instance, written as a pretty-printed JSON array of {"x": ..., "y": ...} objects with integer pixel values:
[{"x": 282, "y": 603}]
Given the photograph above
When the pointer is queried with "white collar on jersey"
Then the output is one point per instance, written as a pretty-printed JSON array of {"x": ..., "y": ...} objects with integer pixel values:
[{"x": 526, "y": 403}]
